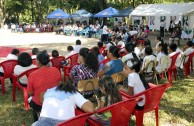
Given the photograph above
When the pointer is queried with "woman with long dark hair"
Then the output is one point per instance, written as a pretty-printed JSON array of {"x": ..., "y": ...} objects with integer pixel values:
[
  {"x": 88, "y": 67},
  {"x": 136, "y": 82},
  {"x": 110, "y": 96}
]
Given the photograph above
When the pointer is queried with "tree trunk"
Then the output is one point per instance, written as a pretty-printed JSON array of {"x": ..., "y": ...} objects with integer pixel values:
[{"x": 2, "y": 13}]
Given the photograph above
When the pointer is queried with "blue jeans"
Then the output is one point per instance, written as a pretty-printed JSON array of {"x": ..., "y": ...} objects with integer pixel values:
[{"x": 44, "y": 121}]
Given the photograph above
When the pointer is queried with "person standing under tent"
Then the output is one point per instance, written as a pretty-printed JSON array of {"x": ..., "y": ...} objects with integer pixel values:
[{"x": 162, "y": 27}]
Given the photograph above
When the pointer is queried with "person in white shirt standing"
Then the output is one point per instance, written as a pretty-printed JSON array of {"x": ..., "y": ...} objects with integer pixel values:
[
  {"x": 78, "y": 46},
  {"x": 104, "y": 36},
  {"x": 162, "y": 27}
]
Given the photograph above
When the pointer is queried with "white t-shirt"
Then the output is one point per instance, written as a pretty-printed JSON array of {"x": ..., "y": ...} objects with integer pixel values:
[
  {"x": 135, "y": 82},
  {"x": 12, "y": 57},
  {"x": 33, "y": 56},
  {"x": 70, "y": 54},
  {"x": 9, "y": 57},
  {"x": 19, "y": 69},
  {"x": 127, "y": 57},
  {"x": 76, "y": 48},
  {"x": 105, "y": 30},
  {"x": 137, "y": 51},
  {"x": 60, "y": 105}
]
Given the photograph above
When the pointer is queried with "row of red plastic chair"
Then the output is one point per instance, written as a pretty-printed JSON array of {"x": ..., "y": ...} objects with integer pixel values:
[{"x": 122, "y": 111}]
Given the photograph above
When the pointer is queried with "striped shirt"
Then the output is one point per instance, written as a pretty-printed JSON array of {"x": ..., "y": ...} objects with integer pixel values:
[{"x": 82, "y": 72}]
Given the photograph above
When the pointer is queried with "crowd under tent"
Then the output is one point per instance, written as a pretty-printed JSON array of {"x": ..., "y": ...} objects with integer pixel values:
[
  {"x": 155, "y": 13},
  {"x": 82, "y": 15}
]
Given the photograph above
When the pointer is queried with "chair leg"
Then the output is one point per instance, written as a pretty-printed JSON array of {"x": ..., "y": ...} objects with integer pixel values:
[
  {"x": 166, "y": 76},
  {"x": 14, "y": 92},
  {"x": 139, "y": 117},
  {"x": 170, "y": 76},
  {"x": 174, "y": 71},
  {"x": 25, "y": 99},
  {"x": 156, "y": 114},
  {"x": 3, "y": 86}
]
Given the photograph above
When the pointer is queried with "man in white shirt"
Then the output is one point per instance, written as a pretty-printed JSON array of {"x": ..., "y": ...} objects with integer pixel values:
[
  {"x": 162, "y": 27},
  {"x": 70, "y": 52},
  {"x": 104, "y": 36},
  {"x": 78, "y": 46},
  {"x": 172, "y": 51}
]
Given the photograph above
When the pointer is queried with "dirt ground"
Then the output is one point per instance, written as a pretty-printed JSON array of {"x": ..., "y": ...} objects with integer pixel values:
[{"x": 51, "y": 41}]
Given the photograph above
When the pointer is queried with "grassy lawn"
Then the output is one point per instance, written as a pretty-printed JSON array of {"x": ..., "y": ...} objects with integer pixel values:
[{"x": 176, "y": 108}]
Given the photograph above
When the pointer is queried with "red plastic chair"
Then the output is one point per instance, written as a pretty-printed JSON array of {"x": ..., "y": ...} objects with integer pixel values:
[
  {"x": 72, "y": 61},
  {"x": 24, "y": 89},
  {"x": 188, "y": 64},
  {"x": 141, "y": 42},
  {"x": 103, "y": 62},
  {"x": 101, "y": 49},
  {"x": 79, "y": 120},
  {"x": 152, "y": 101},
  {"x": 172, "y": 68},
  {"x": 8, "y": 67},
  {"x": 120, "y": 111},
  {"x": 56, "y": 61}
]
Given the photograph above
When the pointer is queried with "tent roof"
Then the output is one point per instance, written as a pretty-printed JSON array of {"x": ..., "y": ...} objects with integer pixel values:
[
  {"x": 109, "y": 12},
  {"x": 82, "y": 13},
  {"x": 176, "y": 9},
  {"x": 58, "y": 14},
  {"x": 124, "y": 13}
]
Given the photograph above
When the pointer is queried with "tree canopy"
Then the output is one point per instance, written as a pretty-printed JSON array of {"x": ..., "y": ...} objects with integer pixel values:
[{"x": 12, "y": 11}]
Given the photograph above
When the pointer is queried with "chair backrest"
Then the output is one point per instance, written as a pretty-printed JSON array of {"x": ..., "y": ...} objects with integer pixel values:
[
  {"x": 121, "y": 111},
  {"x": 56, "y": 61},
  {"x": 118, "y": 77},
  {"x": 101, "y": 49},
  {"x": 87, "y": 85},
  {"x": 191, "y": 55},
  {"x": 73, "y": 59},
  {"x": 153, "y": 96},
  {"x": 76, "y": 121},
  {"x": 27, "y": 73},
  {"x": 8, "y": 67},
  {"x": 149, "y": 66},
  {"x": 104, "y": 61},
  {"x": 164, "y": 61},
  {"x": 173, "y": 59}
]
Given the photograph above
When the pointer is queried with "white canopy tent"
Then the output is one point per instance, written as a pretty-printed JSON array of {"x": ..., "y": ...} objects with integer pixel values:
[{"x": 153, "y": 12}]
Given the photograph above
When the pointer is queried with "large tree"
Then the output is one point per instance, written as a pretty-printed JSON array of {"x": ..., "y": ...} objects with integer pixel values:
[{"x": 2, "y": 12}]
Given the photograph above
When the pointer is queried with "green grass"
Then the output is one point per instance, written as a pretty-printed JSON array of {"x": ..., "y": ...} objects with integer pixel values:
[{"x": 176, "y": 107}]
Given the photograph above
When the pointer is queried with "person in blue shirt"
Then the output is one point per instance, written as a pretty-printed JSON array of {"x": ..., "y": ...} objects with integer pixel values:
[{"x": 115, "y": 65}]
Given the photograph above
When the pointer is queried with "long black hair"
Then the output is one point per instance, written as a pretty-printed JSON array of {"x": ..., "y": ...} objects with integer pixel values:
[
  {"x": 24, "y": 59},
  {"x": 110, "y": 89},
  {"x": 89, "y": 59},
  {"x": 130, "y": 48},
  {"x": 135, "y": 64},
  {"x": 66, "y": 87},
  {"x": 95, "y": 51},
  {"x": 164, "y": 48}
]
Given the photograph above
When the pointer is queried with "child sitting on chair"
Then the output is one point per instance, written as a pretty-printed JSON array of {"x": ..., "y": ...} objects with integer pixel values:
[
  {"x": 111, "y": 96},
  {"x": 136, "y": 82}
]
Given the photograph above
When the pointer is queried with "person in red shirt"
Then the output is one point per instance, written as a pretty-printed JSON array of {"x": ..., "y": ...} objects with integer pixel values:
[{"x": 40, "y": 80}]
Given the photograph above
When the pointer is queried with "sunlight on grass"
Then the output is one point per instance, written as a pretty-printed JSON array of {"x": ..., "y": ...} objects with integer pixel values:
[{"x": 176, "y": 107}]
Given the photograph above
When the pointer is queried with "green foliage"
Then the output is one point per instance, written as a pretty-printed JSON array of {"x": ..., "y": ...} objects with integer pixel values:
[{"x": 29, "y": 10}]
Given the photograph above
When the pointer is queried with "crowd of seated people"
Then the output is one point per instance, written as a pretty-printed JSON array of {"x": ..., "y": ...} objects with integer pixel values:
[{"x": 44, "y": 84}]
